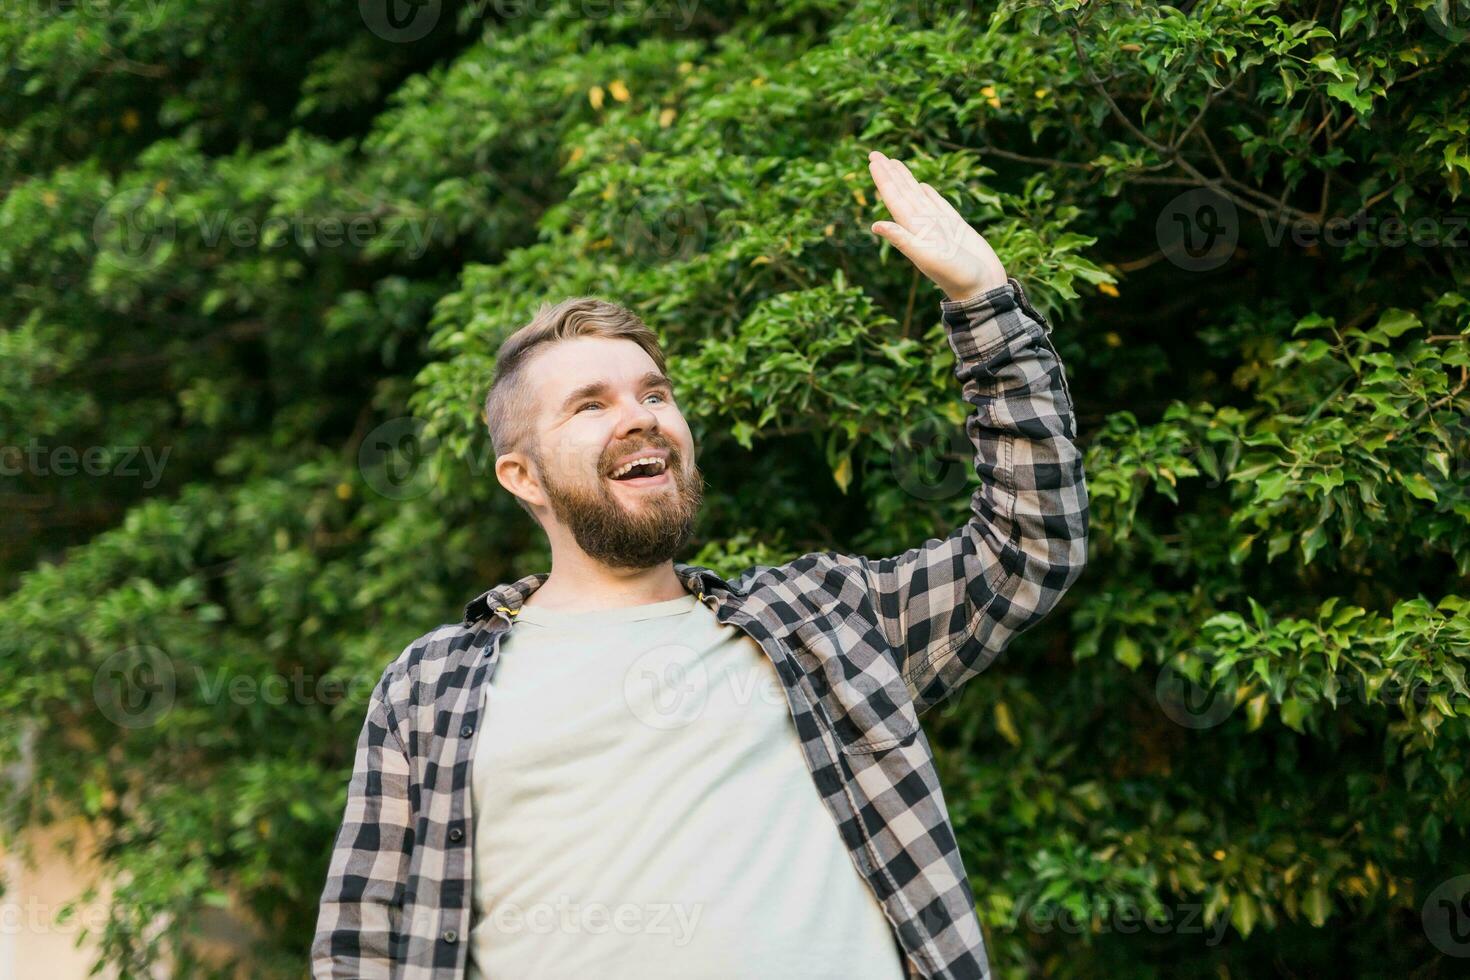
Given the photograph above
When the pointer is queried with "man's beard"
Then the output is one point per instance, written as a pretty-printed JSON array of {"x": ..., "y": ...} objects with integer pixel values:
[{"x": 617, "y": 536}]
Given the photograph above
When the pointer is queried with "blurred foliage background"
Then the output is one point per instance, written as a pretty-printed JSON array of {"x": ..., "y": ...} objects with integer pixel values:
[{"x": 256, "y": 259}]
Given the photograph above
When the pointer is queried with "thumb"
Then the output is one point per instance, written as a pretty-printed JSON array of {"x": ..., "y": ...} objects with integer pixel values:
[{"x": 896, "y": 234}]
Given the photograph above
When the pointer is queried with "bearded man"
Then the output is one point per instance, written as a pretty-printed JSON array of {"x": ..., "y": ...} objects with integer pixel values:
[{"x": 629, "y": 767}]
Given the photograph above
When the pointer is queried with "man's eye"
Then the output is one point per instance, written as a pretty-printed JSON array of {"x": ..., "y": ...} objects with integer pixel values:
[
  {"x": 586, "y": 405},
  {"x": 657, "y": 395}
]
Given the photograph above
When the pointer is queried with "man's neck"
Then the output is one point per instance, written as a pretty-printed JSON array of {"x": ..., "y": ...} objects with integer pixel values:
[{"x": 581, "y": 584}]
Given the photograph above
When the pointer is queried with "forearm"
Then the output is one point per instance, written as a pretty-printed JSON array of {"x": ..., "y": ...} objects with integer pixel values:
[
  {"x": 951, "y": 605},
  {"x": 1030, "y": 509}
]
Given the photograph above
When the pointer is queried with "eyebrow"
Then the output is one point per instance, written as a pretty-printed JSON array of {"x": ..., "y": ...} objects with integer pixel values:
[{"x": 653, "y": 379}]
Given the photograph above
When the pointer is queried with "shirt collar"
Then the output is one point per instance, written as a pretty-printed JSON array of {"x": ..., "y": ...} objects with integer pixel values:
[{"x": 506, "y": 599}]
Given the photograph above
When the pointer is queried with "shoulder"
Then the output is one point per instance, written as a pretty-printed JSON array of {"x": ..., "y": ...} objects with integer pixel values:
[
  {"x": 805, "y": 587},
  {"x": 425, "y": 661}
]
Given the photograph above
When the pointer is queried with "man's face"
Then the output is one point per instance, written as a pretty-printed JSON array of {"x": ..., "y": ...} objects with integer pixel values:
[{"x": 601, "y": 403}]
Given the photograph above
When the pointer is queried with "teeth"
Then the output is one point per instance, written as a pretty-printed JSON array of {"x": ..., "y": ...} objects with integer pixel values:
[{"x": 654, "y": 460}]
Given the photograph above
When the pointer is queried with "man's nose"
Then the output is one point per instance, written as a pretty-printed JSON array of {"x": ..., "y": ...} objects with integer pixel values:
[{"x": 636, "y": 417}]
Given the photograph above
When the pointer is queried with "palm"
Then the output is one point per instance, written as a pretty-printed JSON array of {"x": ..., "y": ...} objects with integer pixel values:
[{"x": 927, "y": 229}]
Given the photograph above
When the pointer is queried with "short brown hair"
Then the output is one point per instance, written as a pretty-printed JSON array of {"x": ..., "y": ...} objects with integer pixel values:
[{"x": 508, "y": 409}]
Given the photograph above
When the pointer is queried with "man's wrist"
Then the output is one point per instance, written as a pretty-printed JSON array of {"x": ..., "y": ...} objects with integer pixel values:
[{"x": 978, "y": 291}]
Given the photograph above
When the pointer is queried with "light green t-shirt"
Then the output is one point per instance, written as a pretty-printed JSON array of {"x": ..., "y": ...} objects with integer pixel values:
[{"x": 643, "y": 810}]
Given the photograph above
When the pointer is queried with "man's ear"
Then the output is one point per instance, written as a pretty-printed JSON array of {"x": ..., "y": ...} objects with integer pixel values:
[{"x": 514, "y": 472}]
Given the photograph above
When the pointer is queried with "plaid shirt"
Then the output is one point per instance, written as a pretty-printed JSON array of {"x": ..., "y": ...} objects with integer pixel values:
[{"x": 862, "y": 647}]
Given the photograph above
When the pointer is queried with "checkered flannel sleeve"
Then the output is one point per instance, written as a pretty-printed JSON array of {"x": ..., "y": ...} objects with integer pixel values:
[
  {"x": 356, "y": 932},
  {"x": 950, "y": 606}
]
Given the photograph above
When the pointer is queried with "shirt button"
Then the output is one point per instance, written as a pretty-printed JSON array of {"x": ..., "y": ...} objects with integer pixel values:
[
  {"x": 466, "y": 731},
  {"x": 451, "y": 936},
  {"x": 455, "y": 833}
]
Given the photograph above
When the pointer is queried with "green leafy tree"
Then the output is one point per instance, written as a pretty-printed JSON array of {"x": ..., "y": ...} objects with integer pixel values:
[{"x": 257, "y": 259}]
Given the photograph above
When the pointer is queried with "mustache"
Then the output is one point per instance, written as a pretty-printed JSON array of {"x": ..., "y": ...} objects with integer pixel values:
[{"x": 674, "y": 454}]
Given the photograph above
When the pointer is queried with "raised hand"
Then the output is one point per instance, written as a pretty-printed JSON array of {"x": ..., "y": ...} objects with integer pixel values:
[{"x": 928, "y": 230}]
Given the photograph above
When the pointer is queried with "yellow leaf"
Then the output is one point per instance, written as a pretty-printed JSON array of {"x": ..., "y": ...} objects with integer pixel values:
[
  {"x": 1112, "y": 339},
  {"x": 760, "y": 260},
  {"x": 1130, "y": 47},
  {"x": 575, "y": 155},
  {"x": 829, "y": 230},
  {"x": 666, "y": 118},
  {"x": 49, "y": 198},
  {"x": 862, "y": 199},
  {"x": 1218, "y": 855},
  {"x": 609, "y": 191},
  {"x": 843, "y": 473},
  {"x": 993, "y": 102},
  {"x": 594, "y": 95},
  {"x": 1040, "y": 93},
  {"x": 344, "y": 491},
  {"x": 619, "y": 90},
  {"x": 757, "y": 82},
  {"x": 130, "y": 119},
  {"x": 685, "y": 67},
  {"x": 1005, "y": 725},
  {"x": 1108, "y": 289},
  {"x": 988, "y": 91}
]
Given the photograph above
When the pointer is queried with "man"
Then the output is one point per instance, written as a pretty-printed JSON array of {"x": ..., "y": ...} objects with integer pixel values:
[{"x": 581, "y": 778}]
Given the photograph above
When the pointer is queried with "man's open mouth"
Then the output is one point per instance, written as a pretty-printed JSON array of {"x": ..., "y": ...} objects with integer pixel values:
[{"x": 642, "y": 472}]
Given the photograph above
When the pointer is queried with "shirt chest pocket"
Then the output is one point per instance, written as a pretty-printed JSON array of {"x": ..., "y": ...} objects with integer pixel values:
[{"x": 859, "y": 692}]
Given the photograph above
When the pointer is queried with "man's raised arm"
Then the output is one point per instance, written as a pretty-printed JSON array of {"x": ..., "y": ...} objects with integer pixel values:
[{"x": 950, "y": 606}]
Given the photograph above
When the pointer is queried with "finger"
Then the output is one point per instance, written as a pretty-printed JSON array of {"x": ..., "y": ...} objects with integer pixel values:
[
  {"x": 886, "y": 179},
  {"x": 910, "y": 198},
  {"x": 898, "y": 236}
]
